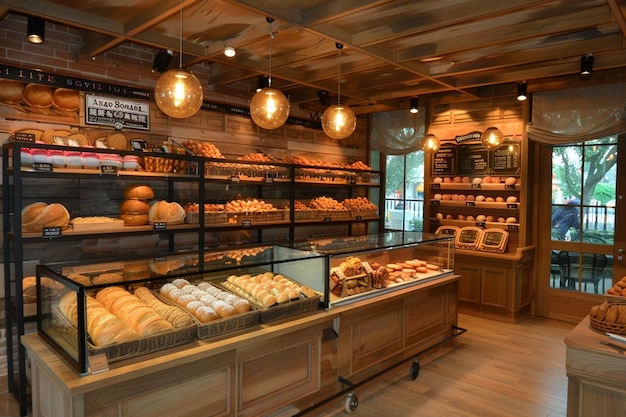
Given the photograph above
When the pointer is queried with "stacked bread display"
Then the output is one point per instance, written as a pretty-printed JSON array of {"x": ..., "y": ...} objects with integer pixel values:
[
  {"x": 166, "y": 212},
  {"x": 134, "y": 209}
]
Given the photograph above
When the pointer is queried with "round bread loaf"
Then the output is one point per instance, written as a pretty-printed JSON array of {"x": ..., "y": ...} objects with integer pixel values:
[
  {"x": 39, "y": 96},
  {"x": 134, "y": 207},
  {"x": 38, "y": 215},
  {"x": 66, "y": 99},
  {"x": 11, "y": 92},
  {"x": 138, "y": 191},
  {"x": 164, "y": 211},
  {"x": 134, "y": 219},
  {"x": 117, "y": 141}
]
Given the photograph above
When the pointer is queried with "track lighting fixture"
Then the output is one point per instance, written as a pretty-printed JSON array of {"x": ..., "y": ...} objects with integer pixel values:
[
  {"x": 586, "y": 65},
  {"x": 414, "y": 102},
  {"x": 324, "y": 98},
  {"x": 264, "y": 82},
  {"x": 162, "y": 61},
  {"x": 36, "y": 29},
  {"x": 522, "y": 89}
]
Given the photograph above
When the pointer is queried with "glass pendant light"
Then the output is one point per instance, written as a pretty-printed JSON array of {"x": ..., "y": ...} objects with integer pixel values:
[
  {"x": 492, "y": 137},
  {"x": 269, "y": 108},
  {"x": 430, "y": 143},
  {"x": 178, "y": 93},
  {"x": 338, "y": 120}
]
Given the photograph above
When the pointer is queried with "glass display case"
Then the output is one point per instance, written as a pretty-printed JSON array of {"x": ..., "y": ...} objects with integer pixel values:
[
  {"x": 122, "y": 309},
  {"x": 366, "y": 266}
]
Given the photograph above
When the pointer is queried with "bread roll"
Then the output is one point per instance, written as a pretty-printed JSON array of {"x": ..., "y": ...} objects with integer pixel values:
[
  {"x": 134, "y": 207},
  {"x": 164, "y": 211},
  {"x": 142, "y": 318},
  {"x": 39, "y": 96},
  {"x": 117, "y": 141},
  {"x": 177, "y": 317},
  {"x": 38, "y": 215},
  {"x": 11, "y": 92},
  {"x": 66, "y": 99},
  {"x": 139, "y": 191}
]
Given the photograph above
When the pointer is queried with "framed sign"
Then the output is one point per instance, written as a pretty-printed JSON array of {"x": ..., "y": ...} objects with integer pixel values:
[
  {"x": 493, "y": 240},
  {"x": 117, "y": 113},
  {"x": 467, "y": 237}
]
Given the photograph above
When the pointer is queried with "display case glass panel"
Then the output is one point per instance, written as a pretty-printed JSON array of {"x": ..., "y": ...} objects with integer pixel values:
[{"x": 369, "y": 265}]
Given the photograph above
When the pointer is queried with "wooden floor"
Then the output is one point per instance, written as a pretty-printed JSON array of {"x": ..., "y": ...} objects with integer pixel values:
[{"x": 493, "y": 370}]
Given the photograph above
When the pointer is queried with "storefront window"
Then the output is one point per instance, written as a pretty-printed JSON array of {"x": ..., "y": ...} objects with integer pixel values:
[
  {"x": 584, "y": 179},
  {"x": 404, "y": 192}
]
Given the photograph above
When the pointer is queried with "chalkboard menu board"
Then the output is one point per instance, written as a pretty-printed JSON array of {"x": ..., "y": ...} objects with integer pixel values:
[
  {"x": 505, "y": 159},
  {"x": 473, "y": 160},
  {"x": 444, "y": 161}
]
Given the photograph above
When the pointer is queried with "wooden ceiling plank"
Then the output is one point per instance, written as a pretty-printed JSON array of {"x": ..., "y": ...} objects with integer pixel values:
[
  {"x": 619, "y": 13},
  {"x": 333, "y": 10}
]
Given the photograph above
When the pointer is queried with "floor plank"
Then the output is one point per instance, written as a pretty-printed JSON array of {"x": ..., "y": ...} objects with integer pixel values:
[{"x": 493, "y": 370}]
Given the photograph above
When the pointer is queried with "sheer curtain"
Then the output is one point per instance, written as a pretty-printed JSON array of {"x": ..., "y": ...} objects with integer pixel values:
[
  {"x": 578, "y": 114},
  {"x": 397, "y": 132}
]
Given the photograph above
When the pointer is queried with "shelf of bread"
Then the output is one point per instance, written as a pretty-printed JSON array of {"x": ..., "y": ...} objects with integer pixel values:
[
  {"x": 509, "y": 223},
  {"x": 494, "y": 203}
]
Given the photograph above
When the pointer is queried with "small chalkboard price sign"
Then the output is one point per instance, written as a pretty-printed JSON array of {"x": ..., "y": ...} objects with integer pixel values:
[
  {"x": 444, "y": 161},
  {"x": 467, "y": 237}
]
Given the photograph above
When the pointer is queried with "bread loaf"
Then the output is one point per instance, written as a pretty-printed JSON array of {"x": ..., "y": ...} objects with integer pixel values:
[
  {"x": 134, "y": 219},
  {"x": 163, "y": 211},
  {"x": 11, "y": 91},
  {"x": 66, "y": 99},
  {"x": 134, "y": 207},
  {"x": 38, "y": 215},
  {"x": 37, "y": 95},
  {"x": 139, "y": 191},
  {"x": 177, "y": 317},
  {"x": 103, "y": 327},
  {"x": 142, "y": 318}
]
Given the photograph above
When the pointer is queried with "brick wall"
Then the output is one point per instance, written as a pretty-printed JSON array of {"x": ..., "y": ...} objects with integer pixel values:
[{"x": 131, "y": 65}]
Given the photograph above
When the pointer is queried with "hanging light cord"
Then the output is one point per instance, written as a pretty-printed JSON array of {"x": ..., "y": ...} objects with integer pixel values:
[
  {"x": 180, "y": 59},
  {"x": 339, "y": 47}
]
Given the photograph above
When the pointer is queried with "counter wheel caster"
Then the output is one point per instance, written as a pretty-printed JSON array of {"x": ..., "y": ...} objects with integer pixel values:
[
  {"x": 352, "y": 402},
  {"x": 415, "y": 370}
]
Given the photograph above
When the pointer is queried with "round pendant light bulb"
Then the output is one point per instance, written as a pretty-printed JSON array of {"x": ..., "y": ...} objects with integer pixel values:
[
  {"x": 178, "y": 93},
  {"x": 430, "y": 143},
  {"x": 338, "y": 121},
  {"x": 492, "y": 138},
  {"x": 269, "y": 108}
]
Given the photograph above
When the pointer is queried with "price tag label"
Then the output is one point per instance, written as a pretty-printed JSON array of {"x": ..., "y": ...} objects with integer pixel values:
[
  {"x": 470, "y": 204},
  {"x": 50, "y": 232},
  {"x": 160, "y": 225},
  {"x": 509, "y": 186},
  {"x": 235, "y": 178},
  {"x": 359, "y": 217},
  {"x": 328, "y": 219},
  {"x": 435, "y": 202},
  {"x": 352, "y": 181},
  {"x": 24, "y": 137},
  {"x": 98, "y": 363},
  {"x": 437, "y": 185},
  {"x": 246, "y": 223},
  {"x": 158, "y": 149},
  {"x": 108, "y": 170},
  {"x": 513, "y": 227},
  {"x": 481, "y": 224},
  {"x": 476, "y": 186},
  {"x": 434, "y": 221},
  {"x": 269, "y": 180},
  {"x": 511, "y": 205},
  {"x": 42, "y": 167}
]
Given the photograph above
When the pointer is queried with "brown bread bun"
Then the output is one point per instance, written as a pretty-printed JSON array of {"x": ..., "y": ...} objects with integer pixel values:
[
  {"x": 164, "y": 211},
  {"x": 134, "y": 207},
  {"x": 117, "y": 141},
  {"x": 134, "y": 219},
  {"x": 66, "y": 99},
  {"x": 38, "y": 215},
  {"x": 11, "y": 92},
  {"x": 39, "y": 96},
  {"x": 139, "y": 191}
]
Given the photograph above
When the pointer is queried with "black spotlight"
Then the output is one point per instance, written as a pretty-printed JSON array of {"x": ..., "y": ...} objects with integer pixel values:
[
  {"x": 36, "y": 29},
  {"x": 264, "y": 82},
  {"x": 324, "y": 98},
  {"x": 162, "y": 60},
  {"x": 522, "y": 90},
  {"x": 586, "y": 65},
  {"x": 414, "y": 103}
]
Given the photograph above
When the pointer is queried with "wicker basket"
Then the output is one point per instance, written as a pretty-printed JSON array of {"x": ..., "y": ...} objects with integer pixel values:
[
  {"x": 603, "y": 326},
  {"x": 126, "y": 350}
]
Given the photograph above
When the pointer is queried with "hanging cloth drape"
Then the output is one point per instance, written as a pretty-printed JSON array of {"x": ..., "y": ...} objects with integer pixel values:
[
  {"x": 578, "y": 114},
  {"x": 397, "y": 132}
]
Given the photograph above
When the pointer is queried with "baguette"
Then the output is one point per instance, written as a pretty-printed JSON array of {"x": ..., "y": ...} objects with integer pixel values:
[
  {"x": 142, "y": 318},
  {"x": 177, "y": 317}
]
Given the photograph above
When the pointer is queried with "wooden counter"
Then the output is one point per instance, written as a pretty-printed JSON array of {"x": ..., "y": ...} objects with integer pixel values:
[
  {"x": 495, "y": 285},
  {"x": 596, "y": 372},
  {"x": 277, "y": 369}
]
